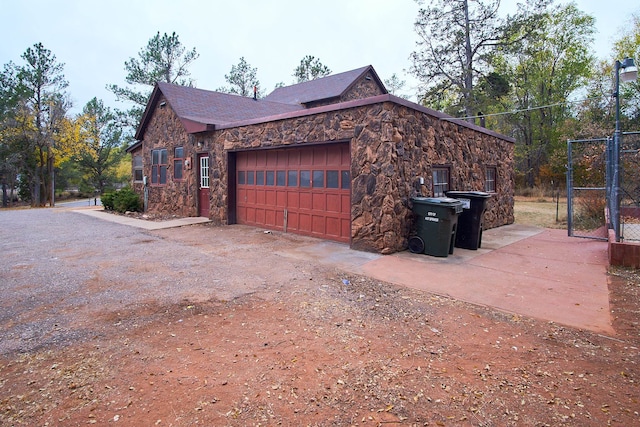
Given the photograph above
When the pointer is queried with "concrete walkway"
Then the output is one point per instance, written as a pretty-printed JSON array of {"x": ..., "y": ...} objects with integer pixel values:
[
  {"x": 98, "y": 212},
  {"x": 523, "y": 270},
  {"x": 528, "y": 271}
]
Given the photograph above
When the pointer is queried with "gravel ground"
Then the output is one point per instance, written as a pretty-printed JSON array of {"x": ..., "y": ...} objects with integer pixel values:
[{"x": 102, "y": 323}]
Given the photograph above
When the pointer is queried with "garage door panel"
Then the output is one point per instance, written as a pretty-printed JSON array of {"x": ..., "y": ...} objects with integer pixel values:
[
  {"x": 333, "y": 227},
  {"x": 270, "y": 217},
  {"x": 319, "y": 202},
  {"x": 334, "y": 158},
  {"x": 334, "y": 203},
  {"x": 319, "y": 156},
  {"x": 283, "y": 188},
  {"x": 251, "y": 196},
  {"x": 306, "y": 158},
  {"x": 270, "y": 197},
  {"x": 346, "y": 204},
  {"x": 251, "y": 215},
  {"x": 260, "y": 216},
  {"x": 306, "y": 201},
  {"x": 317, "y": 225},
  {"x": 345, "y": 224},
  {"x": 261, "y": 159},
  {"x": 292, "y": 221},
  {"x": 293, "y": 200},
  {"x": 304, "y": 222}
]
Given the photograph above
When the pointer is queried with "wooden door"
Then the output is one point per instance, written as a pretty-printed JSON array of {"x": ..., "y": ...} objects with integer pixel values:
[{"x": 203, "y": 187}]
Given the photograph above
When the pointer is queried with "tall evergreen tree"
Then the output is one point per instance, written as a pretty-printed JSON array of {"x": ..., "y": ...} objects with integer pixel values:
[
  {"x": 310, "y": 68},
  {"x": 242, "y": 80},
  {"x": 101, "y": 134},
  {"x": 164, "y": 59},
  {"x": 45, "y": 104}
]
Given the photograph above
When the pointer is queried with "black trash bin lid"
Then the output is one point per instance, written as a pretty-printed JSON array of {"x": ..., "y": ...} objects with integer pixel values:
[{"x": 468, "y": 194}]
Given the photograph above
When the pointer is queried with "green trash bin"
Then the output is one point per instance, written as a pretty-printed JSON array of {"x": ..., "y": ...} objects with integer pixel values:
[
  {"x": 469, "y": 234},
  {"x": 436, "y": 220}
]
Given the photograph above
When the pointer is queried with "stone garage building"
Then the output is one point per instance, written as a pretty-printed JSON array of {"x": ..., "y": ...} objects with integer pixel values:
[{"x": 337, "y": 158}]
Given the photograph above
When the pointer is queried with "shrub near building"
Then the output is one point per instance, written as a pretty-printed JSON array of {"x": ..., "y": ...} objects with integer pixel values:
[{"x": 124, "y": 200}]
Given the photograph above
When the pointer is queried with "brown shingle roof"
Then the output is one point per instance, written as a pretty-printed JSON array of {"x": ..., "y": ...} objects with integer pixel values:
[
  {"x": 202, "y": 110},
  {"x": 216, "y": 107},
  {"x": 332, "y": 86}
]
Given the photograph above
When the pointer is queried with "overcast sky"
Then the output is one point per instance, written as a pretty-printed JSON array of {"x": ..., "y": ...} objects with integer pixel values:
[{"x": 94, "y": 38}]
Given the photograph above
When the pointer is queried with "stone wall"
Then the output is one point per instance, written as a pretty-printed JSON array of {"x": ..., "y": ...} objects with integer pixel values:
[
  {"x": 397, "y": 147},
  {"x": 391, "y": 147},
  {"x": 165, "y": 130},
  {"x": 366, "y": 87}
]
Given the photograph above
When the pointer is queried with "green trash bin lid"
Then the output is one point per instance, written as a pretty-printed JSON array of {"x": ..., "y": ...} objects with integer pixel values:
[{"x": 440, "y": 202}]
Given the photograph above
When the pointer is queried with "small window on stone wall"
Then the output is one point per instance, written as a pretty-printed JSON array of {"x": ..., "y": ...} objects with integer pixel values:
[
  {"x": 440, "y": 181},
  {"x": 178, "y": 163},
  {"x": 159, "y": 167},
  {"x": 137, "y": 169},
  {"x": 490, "y": 180}
]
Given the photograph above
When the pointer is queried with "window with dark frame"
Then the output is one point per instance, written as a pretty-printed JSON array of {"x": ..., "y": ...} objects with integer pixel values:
[
  {"x": 137, "y": 169},
  {"x": 440, "y": 181},
  {"x": 490, "y": 179},
  {"x": 178, "y": 163},
  {"x": 159, "y": 166},
  {"x": 329, "y": 179}
]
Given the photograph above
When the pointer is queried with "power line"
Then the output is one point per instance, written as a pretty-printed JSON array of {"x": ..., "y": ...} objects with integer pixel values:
[{"x": 514, "y": 111}]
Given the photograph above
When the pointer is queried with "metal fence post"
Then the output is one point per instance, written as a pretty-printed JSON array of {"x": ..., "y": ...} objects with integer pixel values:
[{"x": 569, "y": 190}]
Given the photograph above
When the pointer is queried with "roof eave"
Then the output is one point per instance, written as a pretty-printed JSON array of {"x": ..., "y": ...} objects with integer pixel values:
[
  {"x": 360, "y": 103},
  {"x": 146, "y": 116},
  {"x": 133, "y": 147},
  {"x": 194, "y": 126}
]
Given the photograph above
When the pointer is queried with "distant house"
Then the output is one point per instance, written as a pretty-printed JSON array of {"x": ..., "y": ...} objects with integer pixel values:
[{"x": 336, "y": 158}]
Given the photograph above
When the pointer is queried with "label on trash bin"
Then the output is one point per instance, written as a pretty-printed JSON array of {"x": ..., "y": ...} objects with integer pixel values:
[
  {"x": 466, "y": 203},
  {"x": 432, "y": 219}
]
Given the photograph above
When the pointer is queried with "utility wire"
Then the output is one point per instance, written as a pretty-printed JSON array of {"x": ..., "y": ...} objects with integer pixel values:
[{"x": 513, "y": 111}]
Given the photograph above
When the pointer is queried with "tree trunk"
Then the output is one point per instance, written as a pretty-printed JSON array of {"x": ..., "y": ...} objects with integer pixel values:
[{"x": 468, "y": 66}]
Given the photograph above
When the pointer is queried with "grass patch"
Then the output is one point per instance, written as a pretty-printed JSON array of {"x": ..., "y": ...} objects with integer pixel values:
[{"x": 540, "y": 211}]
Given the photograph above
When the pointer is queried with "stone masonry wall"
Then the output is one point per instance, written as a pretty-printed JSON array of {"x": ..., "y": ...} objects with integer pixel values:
[
  {"x": 366, "y": 87},
  {"x": 391, "y": 147},
  {"x": 176, "y": 197}
]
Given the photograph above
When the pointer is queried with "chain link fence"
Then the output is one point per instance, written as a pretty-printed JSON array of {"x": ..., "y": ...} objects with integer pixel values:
[
  {"x": 630, "y": 187},
  {"x": 587, "y": 188},
  {"x": 592, "y": 173}
]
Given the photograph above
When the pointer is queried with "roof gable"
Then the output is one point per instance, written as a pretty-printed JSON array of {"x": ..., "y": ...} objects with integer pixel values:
[
  {"x": 333, "y": 86},
  {"x": 203, "y": 110},
  {"x": 200, "y": 110}
]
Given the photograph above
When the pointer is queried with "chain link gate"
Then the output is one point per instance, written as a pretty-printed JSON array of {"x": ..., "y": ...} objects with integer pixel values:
[
  {"x": 587, "y": 184},
  {"x": 592, "y": 171},
  {"x": 630, "y": 187}
]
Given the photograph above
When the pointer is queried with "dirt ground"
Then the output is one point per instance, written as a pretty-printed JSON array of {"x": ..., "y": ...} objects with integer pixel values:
[{"x": 108, "y": 325}]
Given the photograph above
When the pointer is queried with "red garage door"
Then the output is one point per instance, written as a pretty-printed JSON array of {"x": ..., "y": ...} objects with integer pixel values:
[{"x": 300, "y": 190}]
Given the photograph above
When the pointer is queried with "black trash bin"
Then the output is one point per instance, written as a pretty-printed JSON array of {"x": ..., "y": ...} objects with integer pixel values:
[
  {"x": 469, "y": 235},
  {"x": 436, "y": 221}
]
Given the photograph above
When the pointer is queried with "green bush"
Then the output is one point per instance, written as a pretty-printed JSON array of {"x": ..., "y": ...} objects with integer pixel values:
[
  {"x": 125, "y": 200},
  {"x": 107, "y": 200}
]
